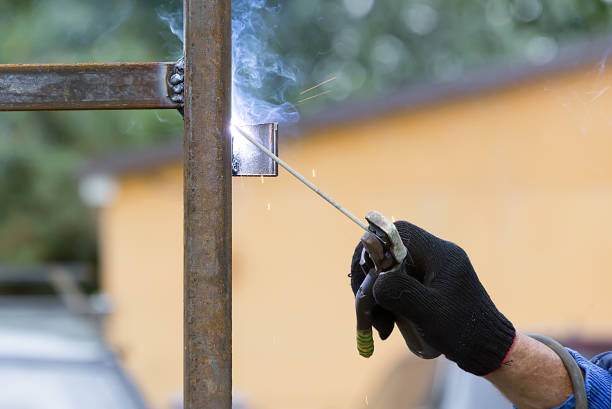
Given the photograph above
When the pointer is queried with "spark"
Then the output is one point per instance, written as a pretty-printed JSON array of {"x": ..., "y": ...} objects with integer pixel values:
[
  {"x": 269, "y": 207},
  {"x": 262, "y": 179},
  {"x": 367, "y": 403},
  {"x": 392, "y": 219},
  {"x": 314, "y": 96},
  {"x": 318, "y": 85},
  {"x": 314, "y": 173},
  {"x": 598, "y": 93}
]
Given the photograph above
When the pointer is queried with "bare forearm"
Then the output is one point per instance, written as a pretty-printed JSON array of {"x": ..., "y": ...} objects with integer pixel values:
[{"x": 533, "y": 376}]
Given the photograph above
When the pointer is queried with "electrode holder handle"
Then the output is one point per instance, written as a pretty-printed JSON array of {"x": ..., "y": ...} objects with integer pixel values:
[{"x": 385, "y": 251}]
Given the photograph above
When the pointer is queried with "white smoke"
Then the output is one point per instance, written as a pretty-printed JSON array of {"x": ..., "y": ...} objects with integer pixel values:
[
  {"x": 260, "y": 77},
  {"x": 174, "y": 21},
  {"x": 171, "y": 14}
]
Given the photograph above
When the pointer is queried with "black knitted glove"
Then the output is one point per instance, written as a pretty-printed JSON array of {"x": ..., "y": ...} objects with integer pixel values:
[{"x": 455, "y": 313}]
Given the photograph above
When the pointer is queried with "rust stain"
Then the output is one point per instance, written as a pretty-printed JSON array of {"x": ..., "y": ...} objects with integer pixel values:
[
  {"x": 29, "y": 87},
  {"x": 207, "y": 201}
]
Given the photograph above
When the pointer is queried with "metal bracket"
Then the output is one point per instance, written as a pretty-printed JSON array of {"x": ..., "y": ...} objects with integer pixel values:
[{"x": 247, "y": 159}]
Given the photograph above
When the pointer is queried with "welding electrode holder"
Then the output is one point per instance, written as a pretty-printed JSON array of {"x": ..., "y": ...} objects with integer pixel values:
[{"x": 384, "y": 251}]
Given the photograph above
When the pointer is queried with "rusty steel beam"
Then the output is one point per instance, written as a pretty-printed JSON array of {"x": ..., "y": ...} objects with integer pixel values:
[
  {"x": 84, "y": 86},
  {"x": 207, "y": 201}
]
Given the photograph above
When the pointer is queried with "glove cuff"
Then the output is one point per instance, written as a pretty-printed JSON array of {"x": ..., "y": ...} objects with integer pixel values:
[{"x": 488, "y": 346}]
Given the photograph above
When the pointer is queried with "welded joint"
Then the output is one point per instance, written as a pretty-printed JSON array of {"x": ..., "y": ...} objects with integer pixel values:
[{"x": 176, "y": 85}]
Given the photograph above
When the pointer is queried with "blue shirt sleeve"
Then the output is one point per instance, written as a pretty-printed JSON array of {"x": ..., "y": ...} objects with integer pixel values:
[{"x": 597, "y": 382}]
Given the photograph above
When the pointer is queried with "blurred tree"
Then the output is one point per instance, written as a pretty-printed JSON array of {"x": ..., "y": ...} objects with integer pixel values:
[
  {"x": 369, "y": 46},
  {"x": 42, "y": 218},
  {"x": 372, "y": 46}
]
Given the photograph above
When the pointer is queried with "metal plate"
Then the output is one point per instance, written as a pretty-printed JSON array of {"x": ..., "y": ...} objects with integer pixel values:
[{"x": 247, "y": 159}]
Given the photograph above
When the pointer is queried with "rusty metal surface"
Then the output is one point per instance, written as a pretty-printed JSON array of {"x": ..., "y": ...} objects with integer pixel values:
[
  {"x": 207, "y": 201},
  {"x": 84, "y": 86},
  {"x": 247, "y": 159}
]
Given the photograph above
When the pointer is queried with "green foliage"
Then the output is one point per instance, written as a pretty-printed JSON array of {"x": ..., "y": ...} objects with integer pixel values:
[
  {"x": 42, "y": 218},
  {"x": 370, "y": 46}
]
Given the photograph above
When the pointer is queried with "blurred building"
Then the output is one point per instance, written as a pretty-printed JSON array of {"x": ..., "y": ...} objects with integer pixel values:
[{"x": 510, "y": 162}]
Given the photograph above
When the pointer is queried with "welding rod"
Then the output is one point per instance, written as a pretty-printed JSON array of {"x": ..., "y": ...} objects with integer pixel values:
[{"x": 301, "y": 178}]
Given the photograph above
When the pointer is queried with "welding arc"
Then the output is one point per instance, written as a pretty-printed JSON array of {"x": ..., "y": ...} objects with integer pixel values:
[{"x": 301, "y": 178}]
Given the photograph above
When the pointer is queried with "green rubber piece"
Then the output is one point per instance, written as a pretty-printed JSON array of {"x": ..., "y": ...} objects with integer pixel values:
[{"x": 365, "y": 342}]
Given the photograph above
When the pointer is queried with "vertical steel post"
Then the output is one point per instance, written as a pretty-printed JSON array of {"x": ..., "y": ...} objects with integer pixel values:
[{"x": 207, "y": 196}]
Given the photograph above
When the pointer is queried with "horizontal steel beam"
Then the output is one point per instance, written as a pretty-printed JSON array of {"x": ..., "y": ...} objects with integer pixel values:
[{"x": 85, "y": 86}]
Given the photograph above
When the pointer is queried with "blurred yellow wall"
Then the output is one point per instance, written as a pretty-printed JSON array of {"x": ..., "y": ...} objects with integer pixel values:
[{"x": 521, "y": 178}]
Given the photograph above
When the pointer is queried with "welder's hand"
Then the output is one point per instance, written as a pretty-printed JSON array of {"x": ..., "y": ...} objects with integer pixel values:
[{"x": 455, "y": 312}]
